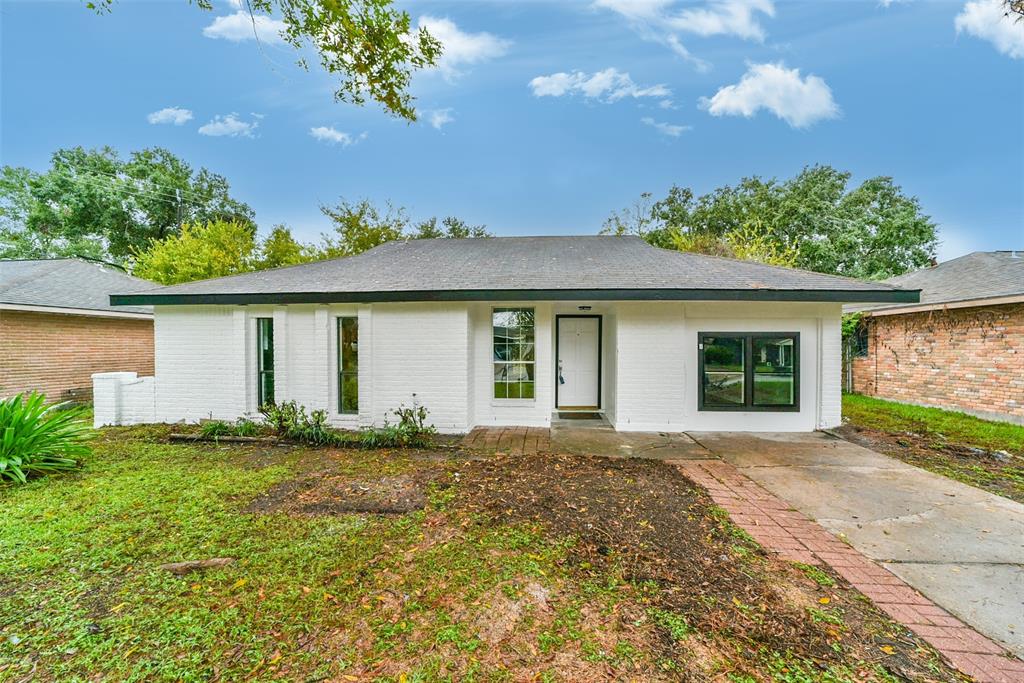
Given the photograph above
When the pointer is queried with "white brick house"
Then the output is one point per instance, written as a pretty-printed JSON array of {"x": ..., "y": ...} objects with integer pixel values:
[{"x": 509, "y": 331}]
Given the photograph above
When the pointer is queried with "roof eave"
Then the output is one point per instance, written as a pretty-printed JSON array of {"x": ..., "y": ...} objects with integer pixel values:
[{"x": 762, "y": 294}]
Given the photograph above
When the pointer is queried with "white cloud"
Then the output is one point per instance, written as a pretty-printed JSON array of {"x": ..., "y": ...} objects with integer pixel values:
[
  {"x": 798, "y": 101},
  {"x": 230, "y": 125},
  {"x": 609, "y": 85},
  {"x": 668, "y": 129},
  {"x": 174, "y": 115},
  {"x": 462, "y": 49},
  {"x": 663, "y": 22},
  {"x": 635, "y": 9},
  {"x": 439, "y": 118},
  {"x": 724, "y": 18},
  {"x": 333, "y": 136},
  {"x": 243, "y": 26},
  {"x": 986, "y": 19}
]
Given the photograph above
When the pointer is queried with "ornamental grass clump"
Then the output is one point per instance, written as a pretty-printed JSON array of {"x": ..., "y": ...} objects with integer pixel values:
[{"x": 37, "y": 439}]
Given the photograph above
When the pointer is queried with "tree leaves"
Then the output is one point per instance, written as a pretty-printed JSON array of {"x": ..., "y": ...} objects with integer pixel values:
[
  {"x": 93, "y": 203},
  {"x": 370, "y": 46},
  {"x": 872, "y": 231}
]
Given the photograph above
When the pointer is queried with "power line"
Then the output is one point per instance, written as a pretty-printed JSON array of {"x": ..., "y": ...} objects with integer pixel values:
[{"x": 174, "y": 194}]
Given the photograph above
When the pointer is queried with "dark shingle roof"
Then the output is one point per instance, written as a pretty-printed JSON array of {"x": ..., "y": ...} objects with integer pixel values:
[
  {"x": 979, "y": 275},
  {"x": 67, "y": 283},
  {"x": 521, "y": 267}
]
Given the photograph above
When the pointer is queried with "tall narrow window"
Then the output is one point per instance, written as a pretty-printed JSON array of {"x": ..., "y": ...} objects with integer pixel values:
[
  {"x": 348, "y": 365},
  {"x": 514, "y": 352},
  {"x": 749, "y": 371},
  {"x": 265, "y": 360}
]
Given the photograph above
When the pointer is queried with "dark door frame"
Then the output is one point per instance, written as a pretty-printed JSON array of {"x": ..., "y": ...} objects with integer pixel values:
[{"x": 600, "y": 349}]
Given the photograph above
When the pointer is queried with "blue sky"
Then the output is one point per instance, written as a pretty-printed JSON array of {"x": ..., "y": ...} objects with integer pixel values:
[{"x": 546, "y": 116}]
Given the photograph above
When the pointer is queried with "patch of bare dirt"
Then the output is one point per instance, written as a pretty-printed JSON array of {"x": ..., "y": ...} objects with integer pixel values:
[
  {"x": 645, "y": 519},
  {"x": 340, "y": 495}
]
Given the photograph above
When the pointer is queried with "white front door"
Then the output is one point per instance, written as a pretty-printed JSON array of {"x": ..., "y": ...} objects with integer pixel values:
[{"x": 579, "y": 362}]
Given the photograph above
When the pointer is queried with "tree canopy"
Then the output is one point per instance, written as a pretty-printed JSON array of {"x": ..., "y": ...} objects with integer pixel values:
[
  {"x": 227, "y": 247},
  {"x": 813, "y": 221},
  {"x": 217, "y": 248},
  {"x": 368, "y": 44},
  {"x": 92, "y": 202},
  {"x": 359, "y": 226}
]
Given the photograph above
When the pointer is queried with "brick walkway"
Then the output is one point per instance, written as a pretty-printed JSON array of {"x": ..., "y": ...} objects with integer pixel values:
[
  {"x": 511, "y": 440},
  {"x": 779, "y": 528}
]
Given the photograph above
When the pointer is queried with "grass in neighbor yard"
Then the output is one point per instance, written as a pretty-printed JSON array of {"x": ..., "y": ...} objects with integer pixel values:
[
  {"x": 953, "y": 444},
  {"x": 410, "y": 566}
]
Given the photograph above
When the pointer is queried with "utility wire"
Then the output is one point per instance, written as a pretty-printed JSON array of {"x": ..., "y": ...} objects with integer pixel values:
[{"x": 172, "y": 194}]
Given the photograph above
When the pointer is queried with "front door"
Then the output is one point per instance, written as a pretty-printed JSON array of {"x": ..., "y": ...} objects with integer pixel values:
[{"x": 579, "y": 362}]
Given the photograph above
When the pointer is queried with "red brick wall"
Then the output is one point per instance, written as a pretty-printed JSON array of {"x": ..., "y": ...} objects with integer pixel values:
[
  {"x": 57, "y": 354},
  {"x": 965, "y": 359}
]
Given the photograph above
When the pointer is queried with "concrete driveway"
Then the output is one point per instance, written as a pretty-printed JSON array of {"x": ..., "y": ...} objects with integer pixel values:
[{"x": 958, "y": 545}]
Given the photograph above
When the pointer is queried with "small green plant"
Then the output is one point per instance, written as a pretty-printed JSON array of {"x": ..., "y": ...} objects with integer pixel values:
[
  {"x": 823, "y": 616},
  {"x": 674, "y": 623},
  {"x": 215, "y": 429},
  {"x": 815, "y": 574},
  {"x": 37, "y": 439},
  {"x": 246, "y": 427}
]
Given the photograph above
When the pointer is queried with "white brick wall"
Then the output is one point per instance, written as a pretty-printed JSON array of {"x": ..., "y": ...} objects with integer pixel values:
[
  {"x": 201, "y": 355},
  {"x": 123, "y": 398},
  {"x": 805, "y": 318},
  {"x": 420, "y": 357},
  {"x": 830, "y": 378},
  {"x": 651, "y": 378},
  {"x": 439, "y": 355}
]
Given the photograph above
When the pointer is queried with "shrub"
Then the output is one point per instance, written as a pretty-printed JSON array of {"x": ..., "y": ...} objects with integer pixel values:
[
  {"x": 283, "y": 418},
  {"x": 290, "y": 421},
  {"x": 246, "y": 427},
  {"x": 411, "y": 431},
  {"x": 37, "y": 439}
]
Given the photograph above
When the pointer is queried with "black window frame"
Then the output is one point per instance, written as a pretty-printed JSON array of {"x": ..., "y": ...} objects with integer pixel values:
[
  {"x": 261, "y": 370},
  {"x": 342, "y": 372},
  {"x": 748, "y": 405}
]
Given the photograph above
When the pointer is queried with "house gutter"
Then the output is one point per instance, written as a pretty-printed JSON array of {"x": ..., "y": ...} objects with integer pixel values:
[
  {"x": 946, "y": 305},
  {"x": 836, "y": 296},
  {"x": 59, "y": 310}
]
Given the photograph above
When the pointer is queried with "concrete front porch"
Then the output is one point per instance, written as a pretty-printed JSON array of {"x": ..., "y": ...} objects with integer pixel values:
[{"x": 586, "y": 437}]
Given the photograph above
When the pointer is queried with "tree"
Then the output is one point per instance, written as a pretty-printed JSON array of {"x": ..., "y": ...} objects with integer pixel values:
[
  {"x": 812, "y": 219},
  {"x": 361, "y": 226},
  {"x": 368, "y": 44},
  {"x": 281, "y": 249},
  {"x": 94, "y": 203},
  {"x": 451, "y": 228},
  {"x": 198, "y": 252},
  {"x": 640, "y": 219},
  {"x": 218, "y": 248}
]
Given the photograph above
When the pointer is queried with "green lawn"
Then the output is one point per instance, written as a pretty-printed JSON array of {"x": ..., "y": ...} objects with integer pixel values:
[
  {"x": 953, "y": 444},
  {"x": 317, "y": 594},
  {"x": 953, "y": 426}
]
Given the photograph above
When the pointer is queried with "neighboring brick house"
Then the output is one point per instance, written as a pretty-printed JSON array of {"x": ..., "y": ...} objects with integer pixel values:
[
  {"x": 961, "y": 348},
  {"x": 57, "y": 327}
]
